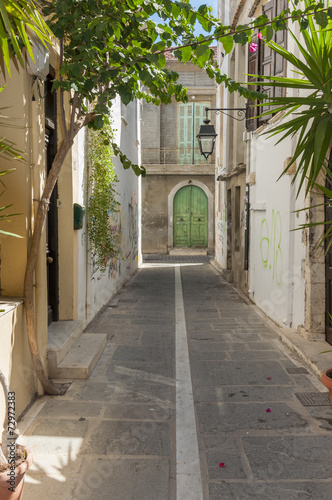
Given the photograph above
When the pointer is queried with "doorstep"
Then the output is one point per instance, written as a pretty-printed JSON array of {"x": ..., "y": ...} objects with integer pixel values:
[
  {"x": 71, "y": 353},
  {"x": 187, "y": 251}
]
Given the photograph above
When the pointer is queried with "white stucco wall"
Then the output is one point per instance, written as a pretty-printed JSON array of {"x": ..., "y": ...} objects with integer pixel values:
[
  {"x": 96, "y": 289},
  {"x": 277, "y": 253}
]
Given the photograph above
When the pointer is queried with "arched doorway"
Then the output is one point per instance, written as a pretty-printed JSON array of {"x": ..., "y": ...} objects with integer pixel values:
[{"x": 190, "y": 217}]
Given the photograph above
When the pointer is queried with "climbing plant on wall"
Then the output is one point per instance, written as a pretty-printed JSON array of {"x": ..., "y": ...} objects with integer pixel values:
[{"x": 102, "y": 201}]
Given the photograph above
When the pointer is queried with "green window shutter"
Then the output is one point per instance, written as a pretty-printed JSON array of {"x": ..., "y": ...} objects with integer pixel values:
[
  {"x": 199, "y": 110},
  {"x": 190, "y": 117},
  {"x": 185, "y": 132}
]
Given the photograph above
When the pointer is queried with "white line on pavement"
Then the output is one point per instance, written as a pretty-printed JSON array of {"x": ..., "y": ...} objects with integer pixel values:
[{"x": 188, "y": 471}]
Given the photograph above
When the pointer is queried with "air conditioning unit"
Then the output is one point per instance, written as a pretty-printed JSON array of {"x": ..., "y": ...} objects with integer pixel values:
[{"x": 40, "y": 66}]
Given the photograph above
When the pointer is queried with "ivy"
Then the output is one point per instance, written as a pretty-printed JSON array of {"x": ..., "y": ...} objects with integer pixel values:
[{"x": 102, "y": 198}]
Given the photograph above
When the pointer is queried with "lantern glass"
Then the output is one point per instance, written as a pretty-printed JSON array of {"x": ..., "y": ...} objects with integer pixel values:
[{"x": 206, "y": 139}]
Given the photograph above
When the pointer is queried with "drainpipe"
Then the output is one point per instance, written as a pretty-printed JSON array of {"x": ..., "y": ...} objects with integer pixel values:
[
  {"x": 139, "y": 183},
  {"x": 291, "y": 244},
  {"x": 88, "y": 253}
]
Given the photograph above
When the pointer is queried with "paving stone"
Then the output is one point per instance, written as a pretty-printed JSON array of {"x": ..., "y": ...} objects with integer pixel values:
[
  {"x": 75, "y": 409},
  {"x": 323, "y": 415},
  {"x": 164, "y": 369},
  {"x": 141, "y": 391},
  {"x": 223, "y": 450},
  {"x": 157, "y": 338},
  {"x": 221, "y": 418},
  {"x": 246, "y": 393},
  {"x": 124, "y": 338},
  {"x": 289, "y": 457},
  {"x": 224, "y": 345},
  {"x": 239, "y": 373},
  {"x": 118, "y": 411},
  {"x": 96, "y": 390},
  {"x": 124, "y": 479},
  {"x": 256, "y": 355},
  {"x": 56, "y": 437},
  {"x": 261, "y": 346},
  {"x": 272, "y": 490},
  {"x": 129, "y": 438},
  {"x": 212, "y": 355},
  {"x": 35, "y": 486},
  {"x": 143, "y": 353}
]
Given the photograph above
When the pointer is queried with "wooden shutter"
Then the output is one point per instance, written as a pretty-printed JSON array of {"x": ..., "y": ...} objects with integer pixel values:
[
  {"x": 253, "y": 69},
  {"x": 267, "y": 64},
  {"x": 281, "y": 39},
  {"x": 185, "y": 133}
]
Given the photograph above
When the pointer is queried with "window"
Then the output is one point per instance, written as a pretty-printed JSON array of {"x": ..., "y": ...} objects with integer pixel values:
[
  {"x": 190, "y": 117},
  {"x": 266, "y": 62}
]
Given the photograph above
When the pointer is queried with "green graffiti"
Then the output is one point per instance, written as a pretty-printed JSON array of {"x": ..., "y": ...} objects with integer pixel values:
[
  {"x": 270, "y": 246},
  {"x": 265, "y": 242}
]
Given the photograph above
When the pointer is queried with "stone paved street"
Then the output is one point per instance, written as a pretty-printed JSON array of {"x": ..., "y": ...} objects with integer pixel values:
[{"x": 137, "y": 430}]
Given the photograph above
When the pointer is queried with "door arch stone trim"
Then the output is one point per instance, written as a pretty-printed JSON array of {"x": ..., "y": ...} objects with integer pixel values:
[{"x": 171, "y": 207}]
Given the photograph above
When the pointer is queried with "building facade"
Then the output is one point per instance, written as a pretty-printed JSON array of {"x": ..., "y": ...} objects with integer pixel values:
[
  {"x": 68, "y": 290},
  {"x": 259, "y": 244},
  {"x": 178, "y": 190}
]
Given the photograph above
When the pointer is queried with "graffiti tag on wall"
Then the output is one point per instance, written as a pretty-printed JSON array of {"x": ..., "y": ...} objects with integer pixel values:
[
  {"x": 270, "y": 245},
  {"x": 125, "y": 224}
]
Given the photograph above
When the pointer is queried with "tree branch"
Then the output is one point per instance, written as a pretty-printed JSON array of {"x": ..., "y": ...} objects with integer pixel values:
[{"x": 62, "y": 105}]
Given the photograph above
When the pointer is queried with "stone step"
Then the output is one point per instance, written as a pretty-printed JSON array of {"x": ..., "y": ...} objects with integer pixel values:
[
  {"x": 62, "y": 335},
  {"x": 188, "y": 251},
  {"x": 82, "y": 357}
]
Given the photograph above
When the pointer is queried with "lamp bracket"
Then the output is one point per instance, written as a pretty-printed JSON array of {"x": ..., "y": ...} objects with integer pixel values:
[{"x": 241, "y": 113}]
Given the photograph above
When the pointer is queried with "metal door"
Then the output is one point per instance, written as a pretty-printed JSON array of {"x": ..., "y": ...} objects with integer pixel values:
[{"x": 190, "y": 217}]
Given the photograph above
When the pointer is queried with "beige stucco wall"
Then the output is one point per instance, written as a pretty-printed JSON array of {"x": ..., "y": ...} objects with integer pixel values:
[
  {"x": 15, "y": 361},
  {"x": 24, "y": 186}
]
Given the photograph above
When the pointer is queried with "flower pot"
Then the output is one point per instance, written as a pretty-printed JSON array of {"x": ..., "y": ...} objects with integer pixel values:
[
  {"x": 18, "y": 477},
  {"x": 327, "y": 381}
]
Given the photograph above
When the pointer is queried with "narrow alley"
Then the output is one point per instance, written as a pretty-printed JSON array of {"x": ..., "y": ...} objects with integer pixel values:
[{"x": 195, "y": 397}]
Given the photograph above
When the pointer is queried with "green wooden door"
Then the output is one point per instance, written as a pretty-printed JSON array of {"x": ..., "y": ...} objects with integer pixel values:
[{"x": 190, "y": 216}]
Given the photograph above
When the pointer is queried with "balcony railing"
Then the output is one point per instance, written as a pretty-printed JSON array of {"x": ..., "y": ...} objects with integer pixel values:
[{"x": 174, "y": 156}]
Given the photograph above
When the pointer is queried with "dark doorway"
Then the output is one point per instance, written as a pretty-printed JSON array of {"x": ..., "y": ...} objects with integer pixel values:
[
  {"x": 229, "y": 230},
  {"x": 52, "y": 216},
  {"x": 328, "y": 264}
]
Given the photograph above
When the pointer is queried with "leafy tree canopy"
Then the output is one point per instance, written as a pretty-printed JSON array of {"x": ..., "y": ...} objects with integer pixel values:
[{"x": 114, "y": 47}]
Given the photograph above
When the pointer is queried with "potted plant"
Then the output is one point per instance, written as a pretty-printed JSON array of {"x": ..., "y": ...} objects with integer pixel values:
[
  {"x": 326, "y": 379},
  {"x": 15, "y": 459}
]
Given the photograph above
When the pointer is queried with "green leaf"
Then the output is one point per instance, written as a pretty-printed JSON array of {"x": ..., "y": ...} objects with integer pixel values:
[
  {"x": 203, "y": 52},
  {"x": 227, "y": 42},
  {"x": 186, "y": 54},
  {"x": 89, "y": 85},
  {"x": 125, "y": 94},
  {"x": 304, "y": 23},
  {"x": 241, "y": 38},
  {"x": 321, "y": 19},
  {"x": 10, "y": 234},
  {"x": 98, "y": 122},
  {"x": 269, "y": 33}
]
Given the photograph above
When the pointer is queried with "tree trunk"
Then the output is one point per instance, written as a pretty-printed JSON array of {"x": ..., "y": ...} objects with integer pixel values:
[{"x": 31, "y": 263}]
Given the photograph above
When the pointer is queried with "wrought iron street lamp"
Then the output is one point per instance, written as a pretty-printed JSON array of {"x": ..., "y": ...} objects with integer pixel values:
[{"x": 207, "y": 134}]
